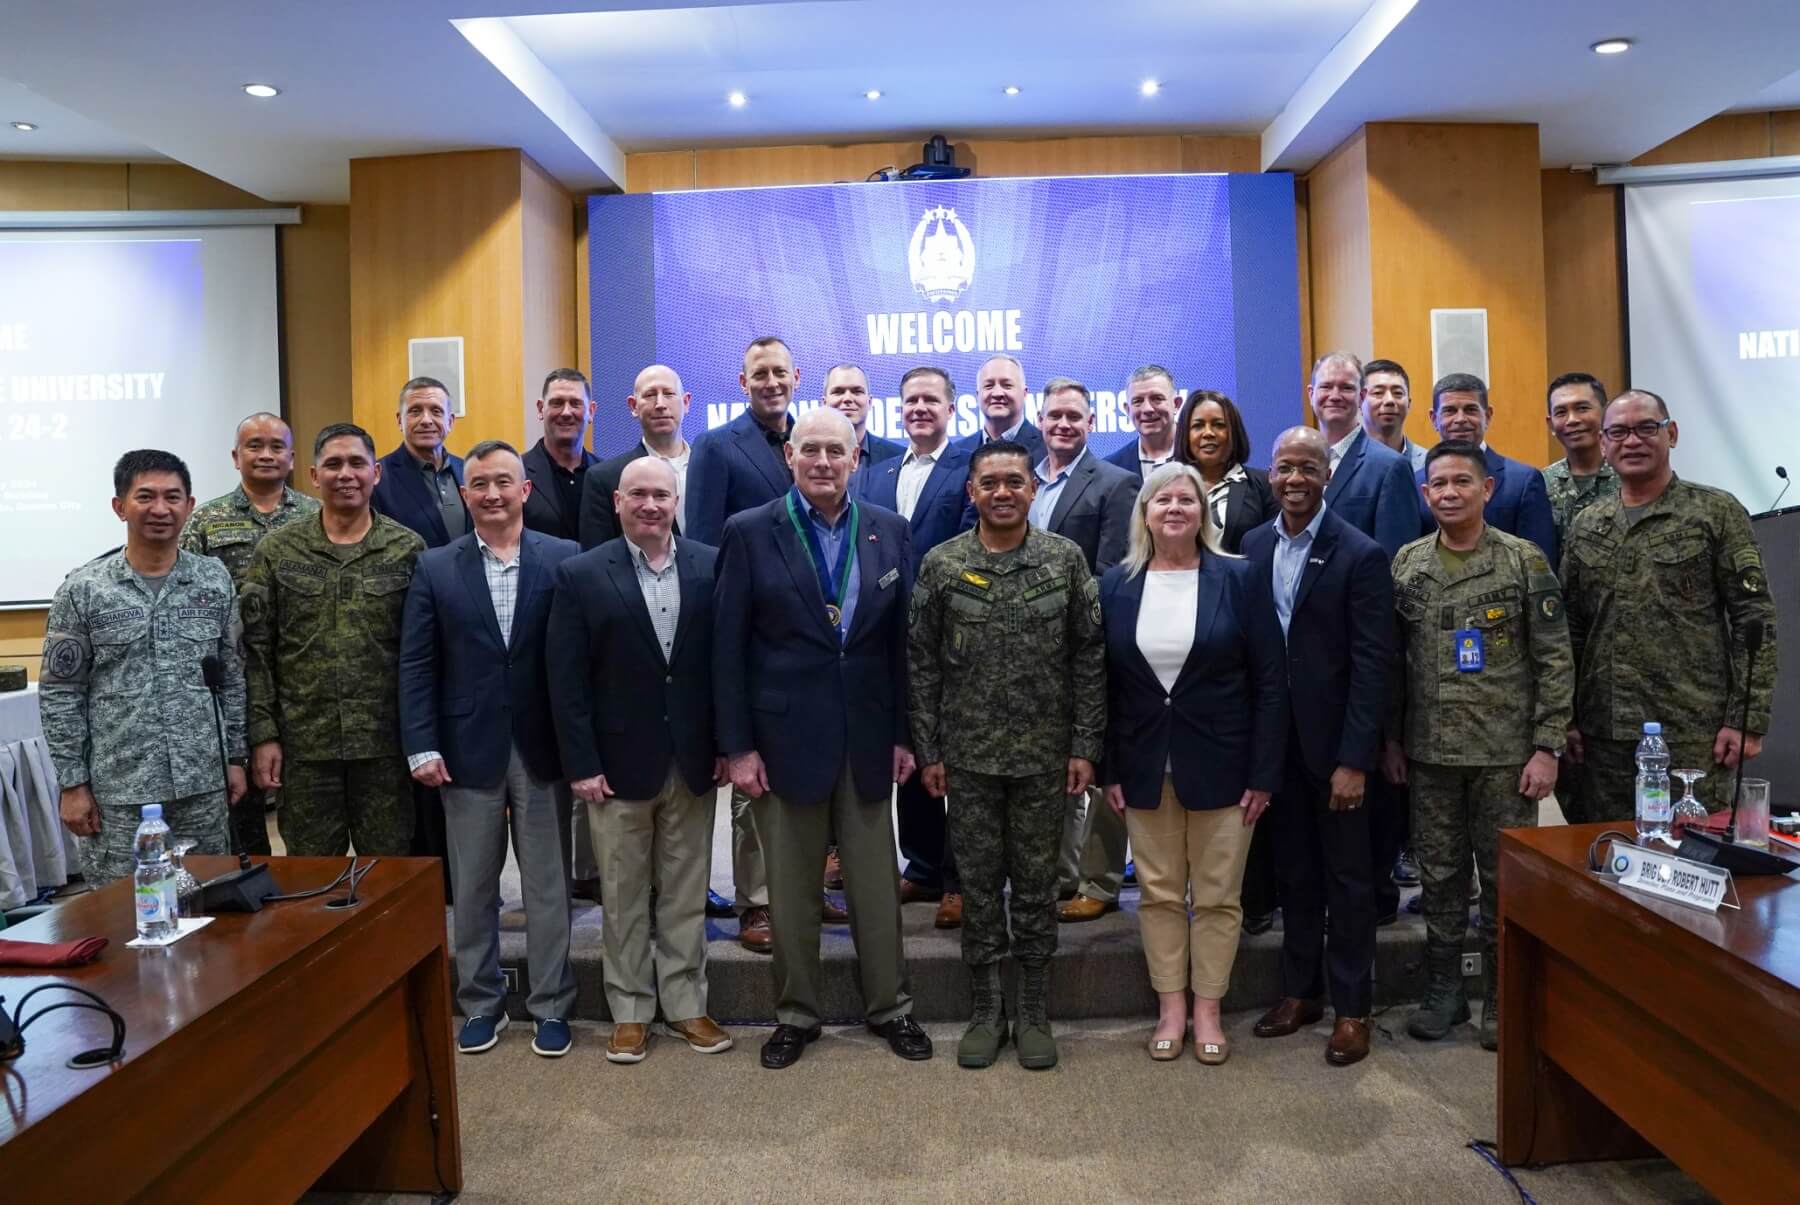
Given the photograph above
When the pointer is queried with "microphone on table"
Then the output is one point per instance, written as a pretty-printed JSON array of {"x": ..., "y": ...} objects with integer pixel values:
[
  {"x": 243, "y": 889},
  {"x": 1722, "y": 849},
  {"x": 1753, "y": 638},
  {"x": 1786, "y": 481}
]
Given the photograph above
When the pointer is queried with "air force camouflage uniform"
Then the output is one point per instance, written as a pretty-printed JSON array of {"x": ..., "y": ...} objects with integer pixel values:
[
  {"x": 322, "y": 652},
  {"x": 1657, "y": 611},
  {"x": 229, "y": 528},
  {"x": 125, "y": 706}
]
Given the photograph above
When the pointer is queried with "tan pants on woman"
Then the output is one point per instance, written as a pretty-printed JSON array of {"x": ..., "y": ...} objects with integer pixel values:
[{"x": 1183, "y": 855}]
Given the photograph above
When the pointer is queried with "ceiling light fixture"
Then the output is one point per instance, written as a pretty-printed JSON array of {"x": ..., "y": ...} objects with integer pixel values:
[
  {"x": 872, "y": 94},
  {"x": 262, "y": 91},
  {"x": 1149, "y": 87},
  {"x": 1611, "y": 46},
  {"x": 1011, "y": 89},
  {"x": 737, "y": 100},
  {"x": 24, "y": 127}
]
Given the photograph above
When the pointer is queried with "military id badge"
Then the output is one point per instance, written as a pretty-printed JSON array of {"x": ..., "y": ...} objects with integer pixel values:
[{"x": 1470, "y": 657}]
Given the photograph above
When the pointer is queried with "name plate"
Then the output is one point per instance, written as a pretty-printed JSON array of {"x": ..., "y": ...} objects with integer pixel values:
[{"x": 1667, "y": 876}]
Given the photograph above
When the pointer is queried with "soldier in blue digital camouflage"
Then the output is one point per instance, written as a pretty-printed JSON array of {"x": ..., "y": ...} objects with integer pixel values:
[
  {"x": 126, "y": 711},
  {"x": 229, "y": 528}
]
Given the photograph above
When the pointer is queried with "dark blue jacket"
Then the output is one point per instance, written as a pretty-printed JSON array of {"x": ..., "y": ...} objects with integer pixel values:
[
  {"x": 783, "y": 684},
  {"x": 1093, "y": 508},
  {"x": 733, "y": 468},
  {"x": 464, "y": 692},
  {"x": 1028, "y": 435},
  {"x": 875, "y": 450},
  {"x": 939, "y": 513},
  {"x": 1520, "y": 505},
  {"x": 622, "y": 709},
  {"x": 1373, "y": 491},
  {"x": 403, "y": 496},
  {"x": 1224, "y": 726},
  {"x": 1338, "y": 642},
  {"x": 1126, "y": 458}
]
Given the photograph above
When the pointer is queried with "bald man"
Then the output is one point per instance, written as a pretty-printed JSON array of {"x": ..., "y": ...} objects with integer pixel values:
[
  {"x": 660, "y": 404},
  {"x": 1000, "y": 391}
]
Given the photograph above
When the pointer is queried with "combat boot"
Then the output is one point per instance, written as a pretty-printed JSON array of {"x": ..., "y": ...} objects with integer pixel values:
[
  {"x": 1444, "y": 1005},
  {"x": 1490, "y": 1012},
  {"x": 1036, "y": 1045},
  {"x": 986, "y": 1034}
]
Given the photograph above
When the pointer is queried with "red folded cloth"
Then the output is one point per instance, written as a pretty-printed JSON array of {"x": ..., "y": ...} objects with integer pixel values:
[{"x": 50, "y": 954}]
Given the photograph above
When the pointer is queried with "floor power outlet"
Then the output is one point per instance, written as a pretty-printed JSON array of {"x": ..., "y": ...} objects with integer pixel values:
[
  {"x": 1471, "y": 965},
  {"x": 511, "y": 975}
]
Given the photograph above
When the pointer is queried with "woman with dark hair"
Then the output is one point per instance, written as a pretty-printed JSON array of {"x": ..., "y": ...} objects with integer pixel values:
[{"x": 1210, "y": 436}]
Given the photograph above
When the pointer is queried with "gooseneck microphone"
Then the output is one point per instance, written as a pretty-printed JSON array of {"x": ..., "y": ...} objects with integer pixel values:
[
  {"x": 1781, "y": 472},
  {"x": 1753, "y": 638},
  {"x": 212, "y": 670}
]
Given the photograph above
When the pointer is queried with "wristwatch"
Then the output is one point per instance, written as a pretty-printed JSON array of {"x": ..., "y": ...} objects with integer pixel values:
[{"x": 1556, "y": 753}]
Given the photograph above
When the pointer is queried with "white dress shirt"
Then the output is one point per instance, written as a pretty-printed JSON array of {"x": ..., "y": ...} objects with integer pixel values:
[
  {"x": 679, "y": 463},
  {"x": 915, "y": 469}
]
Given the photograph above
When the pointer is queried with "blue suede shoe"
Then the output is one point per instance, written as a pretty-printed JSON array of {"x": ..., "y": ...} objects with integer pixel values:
[
  {"x": 479, "y": 1034},
  {"x": 551, "y": 1039}
]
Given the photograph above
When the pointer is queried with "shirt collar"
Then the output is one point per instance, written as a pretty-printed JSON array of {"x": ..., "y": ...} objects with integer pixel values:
[
  {"x": 817, "y": 517},
  {"x": 1312, "y": 528},
  {"x": 925, "y": 456},
  {"x": 488, "y": 549},
  {"x": 1234, "y": 473},
  {"x": 681, "y": 455},
  {"x": 643, "y": 558},
  {"x": 1342, "y": 447},
  {"x": 1043, "y": 468},
  {"x": 1011, "y": 432}
]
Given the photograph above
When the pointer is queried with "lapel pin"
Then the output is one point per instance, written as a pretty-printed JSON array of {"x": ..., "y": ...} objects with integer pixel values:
[{"x": 873, "y": 539}]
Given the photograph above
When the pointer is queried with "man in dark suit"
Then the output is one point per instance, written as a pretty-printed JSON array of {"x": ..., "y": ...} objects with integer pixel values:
[
  {"x": 928, "y": 487},
  {"x": 847, "y": 392},
  {"x": 1371, "y": 485},
  {"x": 1333, "y": 595},
  {"x": 1520, "y": 503},
  {"x": 475, "y": 722},
  {"x": 810, "y": 687},
  {"x": 660, "y": 405},
  {"x": 631, "y": 686},
  {"x": 557, "y": 464},
  {"x": 1000, "y": 392},
  {"x": 1154, "y": 403}
]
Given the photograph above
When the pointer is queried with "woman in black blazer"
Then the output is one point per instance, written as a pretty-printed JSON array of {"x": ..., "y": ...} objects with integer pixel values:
[
  {"x": 1197, "y": 720},
  {"x": 1213, "y": 440}
]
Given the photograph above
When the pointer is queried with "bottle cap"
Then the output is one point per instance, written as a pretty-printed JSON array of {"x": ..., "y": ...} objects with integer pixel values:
[
  {"x": 153, "y": 811},
  {"x": 1652, "y": 728}
]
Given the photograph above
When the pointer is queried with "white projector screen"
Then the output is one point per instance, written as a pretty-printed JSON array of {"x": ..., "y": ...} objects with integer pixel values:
[
  {"x": 112, "y": 340},
  {"x": 1713, "y": 271}
]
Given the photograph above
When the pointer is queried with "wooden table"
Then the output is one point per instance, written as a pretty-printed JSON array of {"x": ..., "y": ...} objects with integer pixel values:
[
  {"x": 1632, "y": 1027},
  {"x": 265, "y": 1054}
]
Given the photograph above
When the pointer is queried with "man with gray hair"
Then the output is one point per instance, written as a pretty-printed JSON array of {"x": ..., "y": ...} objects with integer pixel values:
[
  {"x": 1371, "y": 484},
  {"x": 1000, "y": 392},
  {"x": 1154, "y": 402}
]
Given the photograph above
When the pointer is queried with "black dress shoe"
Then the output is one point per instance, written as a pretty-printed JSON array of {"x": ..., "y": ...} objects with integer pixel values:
[
  {"x": 718, "y": 907},
  {"x": 1257, "y": 925},
  {"x": 905, "y": 1038},
  {"x": 787, "y": 1044}
]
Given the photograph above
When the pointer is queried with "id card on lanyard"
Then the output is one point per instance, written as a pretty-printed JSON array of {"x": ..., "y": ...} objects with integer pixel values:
[{"x": 1470, "y": 655}]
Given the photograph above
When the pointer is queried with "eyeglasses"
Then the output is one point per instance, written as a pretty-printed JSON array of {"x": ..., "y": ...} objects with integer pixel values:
[{"x": 1645, "y": 430}]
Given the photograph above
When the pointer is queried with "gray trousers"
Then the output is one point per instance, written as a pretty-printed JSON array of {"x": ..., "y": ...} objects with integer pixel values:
[
  {"x": 749, "y": 868},
  {"x": 1092, "y": 860},
  {"x": 794, "y": 838},
  {"x": 663, "y": 846},
  {"x": 475, "y": 828}
]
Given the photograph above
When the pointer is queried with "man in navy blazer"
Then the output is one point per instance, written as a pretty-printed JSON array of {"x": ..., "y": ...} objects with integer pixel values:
[
  {"x": 1520, "y": 503},
  {"x": 1000, "y": 392},
  {"x": 475, "y": 722},
  {"x": 1371, "y": 485},
  {"x": 1333, "y": 594},
  {"x": 847, "y": 392},
  {"x": 420, "y": 481},
  {"x": 809, "y": 682},
  {"x": 927, "y": 486},
  {"x": 1154, "y": 405}
]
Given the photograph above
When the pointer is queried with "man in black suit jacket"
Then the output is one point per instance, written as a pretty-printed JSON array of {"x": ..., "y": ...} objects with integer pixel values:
[
  {"x": 475, "y": 723},
  {"x": 1000, "y": 391},
  {"x": 632, "y": 685},
  {"x": 847, "y": 392},
  {"x": 810, "y": 688},
  {"x": 1333, "y": 594},
  {"x": 1154, "y": 402},
  {"x": 660, "y": 406},
  {"x": 557, "y": 464}
]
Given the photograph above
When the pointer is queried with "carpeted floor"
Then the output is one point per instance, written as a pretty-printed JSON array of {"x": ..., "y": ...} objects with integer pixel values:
[{"x": 851, "y": 1123}]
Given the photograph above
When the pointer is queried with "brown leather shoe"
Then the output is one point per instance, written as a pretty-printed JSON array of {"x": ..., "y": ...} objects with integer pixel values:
[
  {"x": 628, "y": 1043},
  {"x": 949, "y": 913},
  {"x": 912, "y": 893},
  {"x": 754, "y": 933},
  {"x": 1290, "y": 1016},
  {"x": 832, "y": 912},
  {"x": 702, "y": 1035},
  {"x": 1084, "y": 907},
  {"x": 834, "y": 871},
  {"x": 1349, "y": 1042}
]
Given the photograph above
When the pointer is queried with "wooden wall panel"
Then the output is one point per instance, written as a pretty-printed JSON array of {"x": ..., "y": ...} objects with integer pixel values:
[
  {"x": 1727, "y": 136},
  {"x": 1583, "y": 310},
  {"x": 547, "y": 222},
  {"x": 1221, "y": 153},
  {"x": 661, "y": 171},
  {"x": 176, "y": 186},
  {"x": 754, "y": 166},
  {"x": 31, "y": 185},
  {"x": 315, "y": 297},
  {"x": 1784, "y": 132},
  {"x": 1115, "y": 156},
  {"x": 1339, "y": 252}
]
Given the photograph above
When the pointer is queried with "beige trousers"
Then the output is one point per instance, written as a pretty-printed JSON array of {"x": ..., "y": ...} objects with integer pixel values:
[{"x": 1183, "y": 855}]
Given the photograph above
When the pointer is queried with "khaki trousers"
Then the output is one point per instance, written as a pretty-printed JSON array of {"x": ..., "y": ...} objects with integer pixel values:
[{"x": 1182, "y": 855}]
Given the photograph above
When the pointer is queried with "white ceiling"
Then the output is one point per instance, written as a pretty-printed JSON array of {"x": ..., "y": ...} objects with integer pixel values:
[{"x": 577, "y": 82}]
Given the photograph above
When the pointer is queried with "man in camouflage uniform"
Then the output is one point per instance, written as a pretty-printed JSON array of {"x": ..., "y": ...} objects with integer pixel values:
[
  {"x": 1007, "y": 695},
  {"x": 1480, "y": 707},
  {"x": 1662, "y": 582},
  {"x": 322, "y": 605},
  {"x": 127, "y": 715},
  {"x": 229, "y": 528},
  {"x": 1577, "y": 402}
]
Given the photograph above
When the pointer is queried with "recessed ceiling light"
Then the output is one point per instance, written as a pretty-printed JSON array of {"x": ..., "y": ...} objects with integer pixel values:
[
  {"x": 1611, "y": 46},
  {"x": 1011, "y": 89},
  {"x": 737, "y": 100},
  {"x": 872, "y": 94},
  {"x": 24, "y": 127},
  {"x": 1149, "y": 87},
  {"x": 262, "y": 91}
]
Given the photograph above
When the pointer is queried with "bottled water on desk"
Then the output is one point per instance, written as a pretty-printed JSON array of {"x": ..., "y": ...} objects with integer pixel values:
[
  {"x": 155, "y": 877},
  {"x": 1654, "y": 811}
]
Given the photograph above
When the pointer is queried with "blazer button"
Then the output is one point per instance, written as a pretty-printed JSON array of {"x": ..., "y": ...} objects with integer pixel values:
[
  {"x": 670, "y": 678},
  {"x": 1168, "y": 702}
]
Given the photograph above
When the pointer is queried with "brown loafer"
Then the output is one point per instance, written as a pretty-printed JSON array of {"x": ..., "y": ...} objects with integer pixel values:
[
  {"x": 1213, "y": 1054},
  {"x": 832, "y": 912},
  {"x": 1349, "y": 1042},
  {"x": 628, "y": 1043},
  {"x": 834, "y": 872},
  {"x": 1084, "y": 907},
  {"x": 702, "y": 1035},
  {"x": 754, "y": 933},
  {"x": 912, "y": 893},
  {"x": 949, "y": 912},
  {"x": 1290, "y": 1016}
]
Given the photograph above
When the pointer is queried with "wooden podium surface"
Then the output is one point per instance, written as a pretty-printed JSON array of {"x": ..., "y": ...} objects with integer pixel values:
[
  {"x": 1630, "y": 1026},
  {"x": 264, "y": 1054}
]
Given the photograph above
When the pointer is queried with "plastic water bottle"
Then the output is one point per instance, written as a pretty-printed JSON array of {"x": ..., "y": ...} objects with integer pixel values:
[
  {"x": 1653, "y": 808},
  {"x": 155, "y": 877}
]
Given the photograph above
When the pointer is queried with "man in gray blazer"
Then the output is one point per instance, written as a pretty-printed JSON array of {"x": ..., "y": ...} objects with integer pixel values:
[{"x": 1087, "y": 500}]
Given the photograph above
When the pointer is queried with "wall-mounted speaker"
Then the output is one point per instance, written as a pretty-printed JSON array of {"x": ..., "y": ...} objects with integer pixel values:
[
  {"x": 442, "y": 359},
  {"x": 1459, "y": 343}
]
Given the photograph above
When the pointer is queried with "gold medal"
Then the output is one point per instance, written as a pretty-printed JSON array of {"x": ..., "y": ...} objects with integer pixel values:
[{"x": 833, "y": 616}]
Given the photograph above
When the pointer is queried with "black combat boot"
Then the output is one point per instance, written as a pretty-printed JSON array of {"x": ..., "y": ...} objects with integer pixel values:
[
  {"x": 986, "y": 1034},
  {"x": 1444, "y": 1005},
  {"x": 1490, "y": 1011},
  {"x": 1036, "y": 1046}
]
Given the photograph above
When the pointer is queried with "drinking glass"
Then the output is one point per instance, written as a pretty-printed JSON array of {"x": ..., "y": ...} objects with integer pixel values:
[
  {"x": 1753, "y": 814},
  {"x": 187, "y": 887},
  {"x": 1688, "y": 812}
]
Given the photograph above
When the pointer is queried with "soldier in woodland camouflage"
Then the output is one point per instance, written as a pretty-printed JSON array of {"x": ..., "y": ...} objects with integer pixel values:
[
  {"x": 1481, "y": 702},
  {"x": 1007, "y": 691},
  {"x": 229, "y": 528},
  {"x": 1662, "y": 582},
  {"x": 126, "y": 712},
  {"x": 1577, "y": 404},
  {"x": 322, "y": 606}
]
